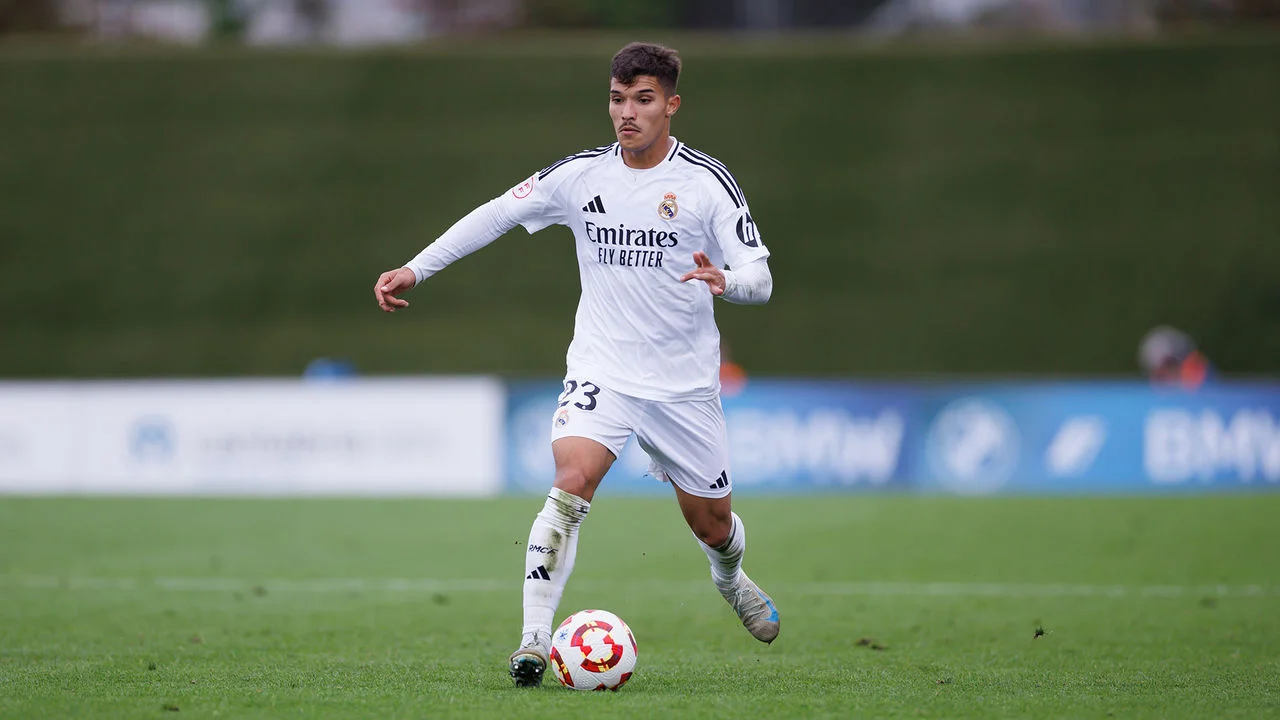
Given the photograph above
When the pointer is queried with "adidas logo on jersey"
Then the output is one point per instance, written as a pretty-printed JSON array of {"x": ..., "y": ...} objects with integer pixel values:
[
  {"x": 595, "y": 206},
  {"x": 721, "y": 481},
  {"x": 539, "y": 573}
]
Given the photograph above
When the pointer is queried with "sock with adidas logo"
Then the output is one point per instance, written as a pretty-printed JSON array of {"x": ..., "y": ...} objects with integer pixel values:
[
  {"x": 726, "y": 560},
  {"x": 548, "y": 560}
]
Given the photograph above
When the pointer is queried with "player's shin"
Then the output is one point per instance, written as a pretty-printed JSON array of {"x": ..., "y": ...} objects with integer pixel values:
[
  {"x": 553, "y": 543},
  {"x": 726, "y": 559}
]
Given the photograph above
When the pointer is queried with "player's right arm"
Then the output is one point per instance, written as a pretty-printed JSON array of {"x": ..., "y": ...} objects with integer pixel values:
[
  {"x": 389, "y": 286},
  {"x": 532, "y": 204}
]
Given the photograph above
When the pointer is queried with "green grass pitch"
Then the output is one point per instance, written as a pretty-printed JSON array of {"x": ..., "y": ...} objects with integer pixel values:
[{"x": 891, "y": 607}]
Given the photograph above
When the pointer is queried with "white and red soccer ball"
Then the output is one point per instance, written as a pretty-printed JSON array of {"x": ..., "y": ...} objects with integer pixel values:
[{"x": 593, "y": 650}]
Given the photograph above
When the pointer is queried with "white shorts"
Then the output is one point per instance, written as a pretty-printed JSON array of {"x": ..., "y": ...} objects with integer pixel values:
[{"x": 686, "y": 441}]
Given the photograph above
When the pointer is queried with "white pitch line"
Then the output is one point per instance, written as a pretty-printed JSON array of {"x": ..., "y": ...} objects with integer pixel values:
[
  {"x": 434, "y": 585},
  {"x": 951, "y": 589}
]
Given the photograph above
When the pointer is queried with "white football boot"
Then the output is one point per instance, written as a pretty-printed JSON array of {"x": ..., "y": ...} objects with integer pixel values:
[
  {"x": 754, "y": 606},
  {"x": 530, "y": 661}
]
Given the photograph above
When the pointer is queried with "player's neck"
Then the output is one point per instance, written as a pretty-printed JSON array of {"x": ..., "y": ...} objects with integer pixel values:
[{"x": 650, "y": 156}]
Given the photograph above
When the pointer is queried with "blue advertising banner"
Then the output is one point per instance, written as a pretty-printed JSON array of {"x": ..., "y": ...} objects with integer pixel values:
[
  {"x": 783, "y": 437},
  {"x": 1097, "y": 437},
  {"x": 967, "y": 438}
]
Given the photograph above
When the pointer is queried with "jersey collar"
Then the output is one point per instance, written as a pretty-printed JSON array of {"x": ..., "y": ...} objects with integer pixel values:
[{"x": 671, "y": 154}]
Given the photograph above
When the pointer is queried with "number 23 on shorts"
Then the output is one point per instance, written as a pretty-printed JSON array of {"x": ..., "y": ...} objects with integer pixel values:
[{"x": 589, "y": 392}]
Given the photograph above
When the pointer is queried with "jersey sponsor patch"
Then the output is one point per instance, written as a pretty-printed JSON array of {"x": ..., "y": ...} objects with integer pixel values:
[
  {"x": 747, "y": 233},
  {"x": 524, "y": 189}
]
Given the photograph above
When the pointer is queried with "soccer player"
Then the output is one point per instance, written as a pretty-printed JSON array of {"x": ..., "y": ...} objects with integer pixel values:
[{"x": 655, "y": 223}]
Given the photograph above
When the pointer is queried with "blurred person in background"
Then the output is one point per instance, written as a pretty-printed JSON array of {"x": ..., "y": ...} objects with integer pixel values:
[
  {"x": 655, "y": 222},
  {"x": 313, "y": 17},
  {"x": 114, "y": 17},
  {"x": 1170, "y": 358},
  {"x": 733, "y": 377}
]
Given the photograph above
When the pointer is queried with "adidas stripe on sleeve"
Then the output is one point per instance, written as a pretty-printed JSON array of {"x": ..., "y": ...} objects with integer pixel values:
[{"x": 730, "y": 221}]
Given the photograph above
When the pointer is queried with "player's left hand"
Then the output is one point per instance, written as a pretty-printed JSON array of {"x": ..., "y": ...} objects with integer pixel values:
[{"x": 707, "y": 273}]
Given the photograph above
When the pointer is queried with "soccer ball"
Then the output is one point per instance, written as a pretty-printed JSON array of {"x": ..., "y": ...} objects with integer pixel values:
[{"x": 593, "y": 650}]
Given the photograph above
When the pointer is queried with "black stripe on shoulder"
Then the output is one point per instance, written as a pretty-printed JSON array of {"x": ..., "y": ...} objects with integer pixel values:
[
  {"x": 729, "y": 185},
  {"x": 594, "y": 152},
  {"x": 703, "y": 156},
  {"x": 699, "y": 154}
]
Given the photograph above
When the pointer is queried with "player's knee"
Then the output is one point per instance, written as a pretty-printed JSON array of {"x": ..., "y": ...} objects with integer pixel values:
[
  {"x": 575, "y": 481},
  {"x": 713, "y": 530}
]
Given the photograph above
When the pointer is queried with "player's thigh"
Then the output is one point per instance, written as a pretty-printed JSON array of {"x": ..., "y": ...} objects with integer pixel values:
[
  {"x": 581, "y": 463},
  {"x": 689, "y": 445},
  {"x": 588, "y": 410}
]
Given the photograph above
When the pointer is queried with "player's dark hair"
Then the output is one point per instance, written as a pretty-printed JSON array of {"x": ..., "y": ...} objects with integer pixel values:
[{"x": 650, "y": 59}]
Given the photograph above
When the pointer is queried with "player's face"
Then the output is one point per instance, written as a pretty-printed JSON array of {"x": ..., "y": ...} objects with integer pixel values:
[{"x": 641, "y": 112}]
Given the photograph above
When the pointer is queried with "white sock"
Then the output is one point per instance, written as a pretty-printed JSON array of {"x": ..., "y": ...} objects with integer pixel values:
[
  {"x": 726, "y": 560},
  {"x": 548, "y": 560}
]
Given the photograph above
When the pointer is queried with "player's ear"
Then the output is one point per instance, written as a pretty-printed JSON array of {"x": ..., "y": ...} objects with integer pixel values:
[{"x": 673, "y": 104}]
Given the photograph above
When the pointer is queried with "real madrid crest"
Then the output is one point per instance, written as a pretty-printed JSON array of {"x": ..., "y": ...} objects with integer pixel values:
[{"x": 668, "y": 208}]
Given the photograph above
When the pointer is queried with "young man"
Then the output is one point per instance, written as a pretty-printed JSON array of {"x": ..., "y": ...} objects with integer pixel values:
[{"x": 655, "y": 221}]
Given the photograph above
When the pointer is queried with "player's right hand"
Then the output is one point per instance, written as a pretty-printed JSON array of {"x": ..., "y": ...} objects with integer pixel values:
[{"x": 390, "y": 284}]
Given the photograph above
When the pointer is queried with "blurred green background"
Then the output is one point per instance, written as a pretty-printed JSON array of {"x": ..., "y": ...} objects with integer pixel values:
[{"x": 1004, "y": 209}]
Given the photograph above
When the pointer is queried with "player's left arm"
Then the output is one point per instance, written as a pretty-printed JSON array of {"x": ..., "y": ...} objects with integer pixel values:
[
  {"x": 730, "y": 224},
  {"x": 750, "y": 284}
]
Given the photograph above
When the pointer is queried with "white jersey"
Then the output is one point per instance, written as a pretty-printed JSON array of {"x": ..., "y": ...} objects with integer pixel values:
[{"x": 638, "y": 329}]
